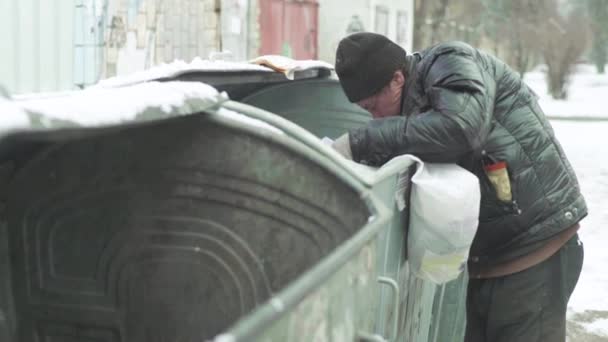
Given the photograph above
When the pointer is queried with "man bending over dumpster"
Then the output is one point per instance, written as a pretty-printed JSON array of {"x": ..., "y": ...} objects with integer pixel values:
[{"x": 452, "y": 103}]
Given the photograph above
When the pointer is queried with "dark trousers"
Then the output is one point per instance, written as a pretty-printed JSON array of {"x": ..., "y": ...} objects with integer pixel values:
[{"x": 528, "y": 306}]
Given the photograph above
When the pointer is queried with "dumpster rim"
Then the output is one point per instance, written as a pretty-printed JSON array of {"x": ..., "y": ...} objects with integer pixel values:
[{"x": 302, "y": 135}]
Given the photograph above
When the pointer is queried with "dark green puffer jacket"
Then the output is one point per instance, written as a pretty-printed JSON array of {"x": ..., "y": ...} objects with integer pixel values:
[{"x": 463, "y": 106}]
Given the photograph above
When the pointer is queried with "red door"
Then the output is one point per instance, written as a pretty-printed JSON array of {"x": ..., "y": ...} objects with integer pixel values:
[{"x": 289, "y": 28}]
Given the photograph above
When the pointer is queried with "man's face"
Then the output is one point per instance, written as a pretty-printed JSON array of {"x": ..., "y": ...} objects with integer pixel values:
[{"x": 387, "y": 102}]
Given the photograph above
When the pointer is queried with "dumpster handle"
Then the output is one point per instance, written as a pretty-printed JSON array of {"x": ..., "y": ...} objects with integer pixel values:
[
  {"x": 395, "y": 287},
  {"x": 366, "y": 337}
]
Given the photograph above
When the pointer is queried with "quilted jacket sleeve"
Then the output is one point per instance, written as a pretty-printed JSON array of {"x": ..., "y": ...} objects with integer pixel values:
[{"x": 458, "y": 122}]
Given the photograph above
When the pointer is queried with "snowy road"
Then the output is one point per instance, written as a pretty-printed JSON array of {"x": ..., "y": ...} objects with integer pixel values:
[{"x": 586, "y": 145}]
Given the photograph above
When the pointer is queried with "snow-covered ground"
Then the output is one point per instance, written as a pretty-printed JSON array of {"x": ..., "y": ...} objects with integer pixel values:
[
  {"x": 584, "y": 143},
  {"x": 587, "y": 91}
]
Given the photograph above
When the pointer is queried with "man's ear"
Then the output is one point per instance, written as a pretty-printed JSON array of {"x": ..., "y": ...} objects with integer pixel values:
[{"x": 398, "y": 79}]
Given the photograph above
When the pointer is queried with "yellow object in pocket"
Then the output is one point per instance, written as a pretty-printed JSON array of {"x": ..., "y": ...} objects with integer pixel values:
[{"x": 499, "y": 177}]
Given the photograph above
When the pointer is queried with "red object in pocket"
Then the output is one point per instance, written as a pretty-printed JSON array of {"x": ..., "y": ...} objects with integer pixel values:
[
  {"x": 498, "y": 175},
  {"x": 495, "y": 166}
]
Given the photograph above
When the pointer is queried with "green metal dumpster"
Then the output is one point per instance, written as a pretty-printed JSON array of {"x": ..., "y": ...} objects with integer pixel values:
[
  {"x": 316, "y": 102},
  {"x": 405, "y": 308},
  {"x": 204, "y": 219}
]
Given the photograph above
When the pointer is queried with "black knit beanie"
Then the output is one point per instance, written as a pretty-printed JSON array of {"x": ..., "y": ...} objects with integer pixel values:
[{"x": 366, "y": 62}]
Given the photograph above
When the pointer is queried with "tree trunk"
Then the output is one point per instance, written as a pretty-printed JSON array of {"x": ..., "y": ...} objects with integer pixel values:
[
  {"x": 438, "y": 19},
  {"x": 564, "y": 41},
  {"x": 598, "y": 12},
  {"x": 421, "y": 14},
  {"x": 556, "y": 77},
  {"x": 599, "y": 54}
]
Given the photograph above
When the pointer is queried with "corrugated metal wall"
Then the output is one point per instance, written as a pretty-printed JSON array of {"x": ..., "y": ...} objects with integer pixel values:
[
  {"x": 37, "y": 44},
  {"x": 54, "y": 45},
  {"x": 289, "y": 28},
  {"x": 90, "y": 17}
]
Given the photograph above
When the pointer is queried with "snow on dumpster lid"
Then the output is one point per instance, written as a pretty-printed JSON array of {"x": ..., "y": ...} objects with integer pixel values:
[
  {"x": 263, "y": 64},
  {"x": 12, "y": 117},
  {"x": 96, "y": 107},
  {"x": 290, "y": 66},
  {"x": 176, "y": 68}
]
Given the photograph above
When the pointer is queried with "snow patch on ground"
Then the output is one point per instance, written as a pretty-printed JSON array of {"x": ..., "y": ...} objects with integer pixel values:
[
  {"x": 599, "y": 327},
  {"x": 587, "y": 93},
  {"x": 584, "y": 143}
]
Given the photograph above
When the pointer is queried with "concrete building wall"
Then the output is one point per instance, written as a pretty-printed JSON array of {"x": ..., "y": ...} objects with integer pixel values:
[
  {"x": 338, "y": 18},
  {"x": 143, "y": 33},
  {"x": 66, "y": 44},
  {"x": 235, "y": 28},
  {"x": 254, "y": 33}
]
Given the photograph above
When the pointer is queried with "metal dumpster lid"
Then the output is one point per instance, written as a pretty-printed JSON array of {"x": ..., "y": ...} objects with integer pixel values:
[
  {"x": 216, "y": 72},
  {"x": 101, "y": 107}
]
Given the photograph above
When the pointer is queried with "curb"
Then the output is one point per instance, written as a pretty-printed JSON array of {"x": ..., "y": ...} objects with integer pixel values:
[{"x": 578, "y": 118}]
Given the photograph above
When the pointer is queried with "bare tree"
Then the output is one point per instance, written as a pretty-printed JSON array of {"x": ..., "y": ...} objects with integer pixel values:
[
  {"x": 442, "y": 20},
  {"x": 564, "y": 39},
  {"x": 438, "y": 19},
  {"x": 524, "y": 16},
  {"x": 512, "y": 29},
  {"x": 598, "y": 15},
  {"x": 521, "y": 32},
  {"x": 431, "y": 17},
  {"x": 421, "y": 12}
]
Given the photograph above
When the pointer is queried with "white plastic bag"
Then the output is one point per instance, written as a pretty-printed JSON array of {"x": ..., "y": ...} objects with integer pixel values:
[{"x": 444, "y": 215}]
